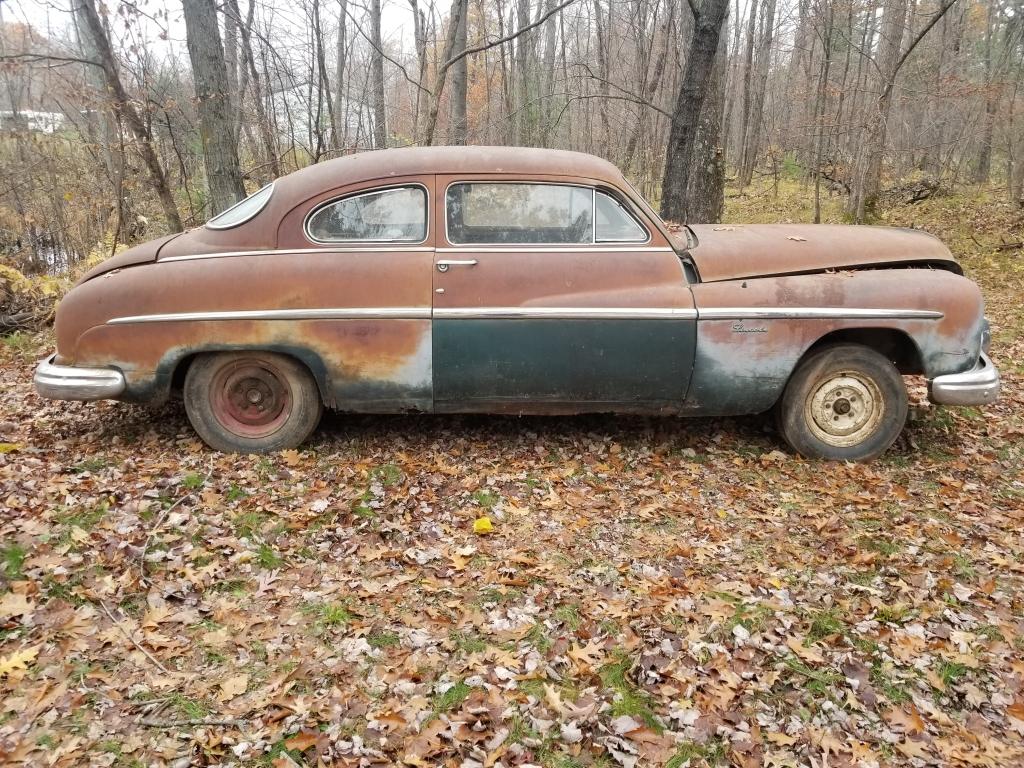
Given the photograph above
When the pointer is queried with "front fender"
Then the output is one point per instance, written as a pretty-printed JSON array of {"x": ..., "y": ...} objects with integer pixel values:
[{"x": 751, "y": 334}]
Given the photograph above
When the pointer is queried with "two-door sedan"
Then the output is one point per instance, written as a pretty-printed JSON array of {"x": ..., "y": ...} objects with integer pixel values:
[{"x": 526, "y": 281}]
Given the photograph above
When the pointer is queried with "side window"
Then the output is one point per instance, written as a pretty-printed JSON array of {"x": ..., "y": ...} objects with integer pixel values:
[
  {"x": 614, "y": 224},
  {"x": 393, "y": 215},
  {"x": 518, "y": 213},
  {"x": 241, "y": 212}
]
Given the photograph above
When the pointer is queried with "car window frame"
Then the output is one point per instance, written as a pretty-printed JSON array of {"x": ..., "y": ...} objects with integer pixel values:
[
  {"x": 370, "y": 191},
  {"x": 593, "y": 188},
  {"x": 629, "y": 212},
  {"x": 223, "y": 227}
]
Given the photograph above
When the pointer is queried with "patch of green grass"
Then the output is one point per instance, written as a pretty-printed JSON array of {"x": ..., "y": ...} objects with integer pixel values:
[
  {"x": 715, "y": 752},
  {"x": 387, "y": 475},
  {"x": 519, "y": 729},
  {"x": 452, "y": 698},
  {"x": 111, "y": 747},
  {"x": 268, "y": 558},
  {"x": 897, "y": 613},
  {"x": 63, "y": 590},
  {"x": 237, "y": 587},
  {"x": 819, "y": 681},
  {"x": 383, "y": 639},
  {"x": 85, "y": 518},
  {"x": 569, "y": 616},
  {"x": 46, "y": 740},
  {"x": 191, "y": 709},
  {"x": 235, "y": 493},
  {"x": 883, "y": 546},
  {"x": 497, "y": 595},
  {"x": 248, "y": 524},
  {"x": 279, "y": 750},
  {"x": 629, "y": 700},
  {"x": 950, "y": 672},
  {"x": 539, "y": 639},
  {"x": 361, "y": 506},
  {"x": 20, "y": 343},
  {"x": 468, "y": 642},
  {"x": 486, "y": 497},
  {"x": 963, "y": 568},
  {"x": 94, "y": 464},
  {"x": 329, "y": 615},
  {"x": 990, "y": 632},
  {"x": 193, "y": 481},
  {"x": 13, "y": 557},
  {"x": 824, "y": 624},
  {"x": 883, "y": 682}
]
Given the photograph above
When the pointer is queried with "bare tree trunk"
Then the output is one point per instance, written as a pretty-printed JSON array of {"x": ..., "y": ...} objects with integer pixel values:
[
  {"x": 442, "y": 71},
  {"x": 249, "y": 60},
  {"x": 216, "y": 128},
  {"x": 380, "y": 128},
  {"x": 760, "y": 82},
  {"x": 123, "y": 107},
  {"x": 983, "y": 164},
  {"x": 340, "y": 100},
  {"x": 458, "y": 129},
  {"x": 706, "y": 192},
  {"x": 868, "y": 174},
  {"x": 231, "y": 63},
  {"x": 693, "y": 90}
]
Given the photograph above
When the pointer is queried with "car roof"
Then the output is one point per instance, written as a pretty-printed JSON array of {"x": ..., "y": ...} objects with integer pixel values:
[{"x": 415, "y": 161}]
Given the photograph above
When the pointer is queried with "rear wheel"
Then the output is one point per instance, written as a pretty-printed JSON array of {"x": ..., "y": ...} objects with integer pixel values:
[
  {"x": 251, "y": 402},
  {"x": 844, "y": 403}
]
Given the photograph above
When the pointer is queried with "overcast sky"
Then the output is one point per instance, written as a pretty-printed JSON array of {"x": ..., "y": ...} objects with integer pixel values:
[{"x": 52, "y": 18}]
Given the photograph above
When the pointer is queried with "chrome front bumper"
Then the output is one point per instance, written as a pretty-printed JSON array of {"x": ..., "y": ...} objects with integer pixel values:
[
  {"x": 66, "y": 382},
  {"x": 978, "y": 386}
]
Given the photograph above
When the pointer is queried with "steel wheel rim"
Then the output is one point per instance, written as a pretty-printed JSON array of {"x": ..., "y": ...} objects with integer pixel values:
[
  {"x": 845, "y": 409},
  {"x": 251, "y": 398}
]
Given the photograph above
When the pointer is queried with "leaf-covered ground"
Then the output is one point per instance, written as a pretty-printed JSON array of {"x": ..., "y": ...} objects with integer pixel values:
[{"x": 653, "y": 592}]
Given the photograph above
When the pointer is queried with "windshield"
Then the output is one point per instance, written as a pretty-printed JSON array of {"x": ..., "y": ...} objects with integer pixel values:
[{"x": 241, "y": 212}]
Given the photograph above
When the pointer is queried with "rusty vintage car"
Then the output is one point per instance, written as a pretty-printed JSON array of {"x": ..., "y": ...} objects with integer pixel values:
[{"x": 524, "y": 281}]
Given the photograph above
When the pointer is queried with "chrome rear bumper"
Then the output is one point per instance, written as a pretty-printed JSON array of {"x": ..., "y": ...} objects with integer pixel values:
[
  {"x": 978, "y": 386},
  {"x": 67, "y": 382}
]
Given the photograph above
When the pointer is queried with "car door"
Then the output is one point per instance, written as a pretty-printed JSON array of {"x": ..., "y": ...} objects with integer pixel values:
[
  {"x": 358, "y": 261},
  {"x": 541, "y": 307}
]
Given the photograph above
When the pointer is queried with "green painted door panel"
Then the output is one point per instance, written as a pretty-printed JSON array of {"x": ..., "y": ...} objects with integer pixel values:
[{"x": 586, "y": 364}]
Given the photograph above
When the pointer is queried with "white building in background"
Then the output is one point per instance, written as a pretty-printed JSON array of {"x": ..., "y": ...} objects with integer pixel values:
[{"x": 41, "y": 122}]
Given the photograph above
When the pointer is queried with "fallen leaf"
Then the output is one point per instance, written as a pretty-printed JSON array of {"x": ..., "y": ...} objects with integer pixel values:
[
  {"x": 18, "y": 659},
  {"x": 233, "y": 686},
  {"x": 482, "y": 525}
]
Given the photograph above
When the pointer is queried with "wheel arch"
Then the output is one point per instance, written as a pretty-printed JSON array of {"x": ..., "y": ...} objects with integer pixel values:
[
  {"x": 894, "y": 343},
  {"x": 174, "y": 367}
]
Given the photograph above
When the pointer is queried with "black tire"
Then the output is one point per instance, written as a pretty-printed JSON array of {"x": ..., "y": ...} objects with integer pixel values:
[
  {"x": 251, "y": 402},
  {"x": 845, "y": 402}
]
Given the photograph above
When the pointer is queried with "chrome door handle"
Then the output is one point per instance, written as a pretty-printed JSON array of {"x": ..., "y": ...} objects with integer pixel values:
[{"x": 444, "y": 264}]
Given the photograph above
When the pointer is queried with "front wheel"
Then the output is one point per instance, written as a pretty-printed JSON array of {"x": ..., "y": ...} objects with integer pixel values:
[
  {"x": 251, "y": 402},
  {"x": 844, "y": 403}
]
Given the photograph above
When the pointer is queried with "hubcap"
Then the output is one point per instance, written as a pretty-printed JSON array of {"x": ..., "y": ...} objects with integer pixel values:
[
  {"x": 251, "y": 398},
  {"x": 845, "y": 409}
]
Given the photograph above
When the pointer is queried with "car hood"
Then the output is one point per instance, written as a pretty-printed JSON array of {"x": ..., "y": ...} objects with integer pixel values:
[
  {"x": 139, "y": 254},
  {"x": 730, "y": 252}
]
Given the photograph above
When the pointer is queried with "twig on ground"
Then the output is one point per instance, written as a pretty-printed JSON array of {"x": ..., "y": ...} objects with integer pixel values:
[
  {"x": 149, "y": 723},
  {"x": 122, "y": 630}
]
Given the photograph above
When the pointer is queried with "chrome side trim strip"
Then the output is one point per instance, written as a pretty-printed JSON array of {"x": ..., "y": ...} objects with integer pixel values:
[
  {"x": 565, "y": 313},
  {"x": 375, "y": 247},
  {"x": 368, "y": 313},
  {"x": 554, "y": 248},
  {"x": 815, "y": 313}
]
